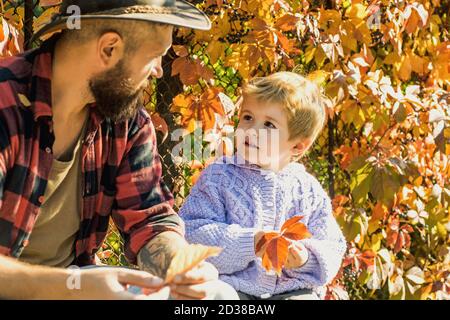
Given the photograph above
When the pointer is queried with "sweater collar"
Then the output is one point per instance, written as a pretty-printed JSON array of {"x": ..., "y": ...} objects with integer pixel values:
[{"x": 238, "y": 161}]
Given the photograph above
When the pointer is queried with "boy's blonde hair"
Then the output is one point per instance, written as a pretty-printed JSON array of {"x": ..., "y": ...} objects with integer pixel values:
[{"x": 300, "y": 97}]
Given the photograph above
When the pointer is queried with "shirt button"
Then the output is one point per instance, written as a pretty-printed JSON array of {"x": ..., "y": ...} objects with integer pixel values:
[
  {"x": 48, "y": 150},
  {"x": 41, "y": 199},
  {"x": 269, "y": 204},
  {"x": 26, "y": 243}
]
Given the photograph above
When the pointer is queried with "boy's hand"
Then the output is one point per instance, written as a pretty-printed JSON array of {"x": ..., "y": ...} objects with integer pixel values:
[
  {"x": 298, "y": 255},
  {"x": 258, "y": 236}
]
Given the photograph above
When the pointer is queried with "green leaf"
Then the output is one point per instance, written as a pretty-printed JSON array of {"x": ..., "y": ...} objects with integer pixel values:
[
  {"x": 384, "y": 185},
  {"x": 357, "y": 163},
  {"x": 357, "y": 225},
  {"x": 360, "y": 183}
]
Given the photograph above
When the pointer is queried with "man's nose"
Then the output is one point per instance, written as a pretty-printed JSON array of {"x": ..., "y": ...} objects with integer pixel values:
[{"x": 157, "y": 70}]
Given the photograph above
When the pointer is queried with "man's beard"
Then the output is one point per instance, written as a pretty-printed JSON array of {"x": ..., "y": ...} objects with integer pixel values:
[{"x": 115, "y": 95}]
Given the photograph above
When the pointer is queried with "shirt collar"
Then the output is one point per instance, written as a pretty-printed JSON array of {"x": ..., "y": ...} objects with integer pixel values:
[{"x": 40, "y": 87}]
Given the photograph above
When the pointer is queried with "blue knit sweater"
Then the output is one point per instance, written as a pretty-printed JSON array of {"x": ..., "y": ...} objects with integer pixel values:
[{"x": 230, "y": 201}]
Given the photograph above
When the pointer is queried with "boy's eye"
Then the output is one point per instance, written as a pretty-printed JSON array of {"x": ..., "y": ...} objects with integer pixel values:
[
  {"x": 247, "y": 117},
  {"x": 270, "y": 125}
]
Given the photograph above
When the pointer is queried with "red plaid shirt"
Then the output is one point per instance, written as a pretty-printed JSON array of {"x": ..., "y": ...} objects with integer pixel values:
[{"x": 121, "y": 168}]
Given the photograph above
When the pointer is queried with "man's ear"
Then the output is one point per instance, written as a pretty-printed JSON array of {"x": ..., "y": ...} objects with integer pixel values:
[
  {"x": 110, "y": 49},
  {"x": 301, "y": 147}
]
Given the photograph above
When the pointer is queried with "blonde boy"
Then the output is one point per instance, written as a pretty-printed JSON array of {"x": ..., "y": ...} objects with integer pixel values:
[{"x": 237, "y": 199}]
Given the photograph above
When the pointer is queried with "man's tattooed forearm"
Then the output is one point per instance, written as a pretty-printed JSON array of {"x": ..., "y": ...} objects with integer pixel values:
[{"x": 156, "y": 256}]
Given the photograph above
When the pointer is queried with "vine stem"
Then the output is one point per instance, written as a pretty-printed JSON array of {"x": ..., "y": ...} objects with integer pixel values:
[{"x": 382, "y": 137}]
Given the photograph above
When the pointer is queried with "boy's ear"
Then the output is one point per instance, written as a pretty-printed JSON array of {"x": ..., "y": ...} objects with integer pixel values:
[{"x": 301, "y": 147}]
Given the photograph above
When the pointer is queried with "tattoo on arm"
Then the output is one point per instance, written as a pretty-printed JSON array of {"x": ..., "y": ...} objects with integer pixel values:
[{"x": 156, "y": 256}]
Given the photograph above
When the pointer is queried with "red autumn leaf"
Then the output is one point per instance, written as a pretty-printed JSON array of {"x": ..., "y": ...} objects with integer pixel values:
[
  {"x": 367, "y": 259},
  {"x": 160, "y": 125},
  {"x": 275, "y": 255},
  {"x": 360, "y": 260},
  {"x": 276, "y": 244},
  {"x": 180, "y": 51},
  {"x": 338, "y": 204},
  {"x": 265, "y": 239},
  {"x": 294, "y": 229},
  {"x": 398, "y": 236},
  {"x": 190, "y": 71}
]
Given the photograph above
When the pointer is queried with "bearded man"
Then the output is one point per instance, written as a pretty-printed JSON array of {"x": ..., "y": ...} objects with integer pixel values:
[{"x": 77, "y": 148}]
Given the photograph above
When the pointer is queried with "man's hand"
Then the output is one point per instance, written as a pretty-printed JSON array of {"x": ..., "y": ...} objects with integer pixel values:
[
  {"x": 113, "y": 283},
  {"x": 297, "y": 257},
  {"x": 198, "y": 283},
  {"x": 20, "y": 280},
  {"x": 156, "y": 256}
]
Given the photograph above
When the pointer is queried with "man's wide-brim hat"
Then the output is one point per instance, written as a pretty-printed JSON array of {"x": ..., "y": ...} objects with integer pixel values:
[{"x": 173, "y": 12}]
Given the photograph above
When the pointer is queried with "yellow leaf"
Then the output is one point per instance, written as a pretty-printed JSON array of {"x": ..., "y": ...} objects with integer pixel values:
[
  {"x": 330, "y": 20},
  {"x": 356, "y": 11},
  {"x": 320, "y": 56},
  {"x": 215, "y": 50},
  {"x": 348, "y": 36},
  {"x": 44, "y": 18},
  {"x": 188, "y": 258},
  {"x": 319, "y": 76},
  {"x": 309, "y": 53},
  {"x": 404, "y": 73}
]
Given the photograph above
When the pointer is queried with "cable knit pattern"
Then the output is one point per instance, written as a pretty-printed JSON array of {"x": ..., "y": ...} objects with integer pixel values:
[{"x": 231, "y": 201}]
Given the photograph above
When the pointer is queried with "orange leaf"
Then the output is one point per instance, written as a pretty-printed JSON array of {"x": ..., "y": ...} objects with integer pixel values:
[
  {"x": 195, "y": 177},
  {"x": 189, "y": 258},
  {"x": 294, "y": 229},
  {"x": 180, "y": 51},
  {"x": 288, "y": 22},
  {"x": 416, "y": 17},
  {"x": 202, "y": 109},
  {"x": 265, "y": 239},
  {"x": 379, "y": 212},
  {"x": 2, "y": 34},
  {"x": 275, "y": 255},
  {"x": 190, "y": 71},
  {"x": 160, "y": 125},
  {"x": 49, "y": 3},
  {"x": 196, "y": 165},
  {"x": 186, "y": 69},
  {"x": 276, "y": 245}
]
